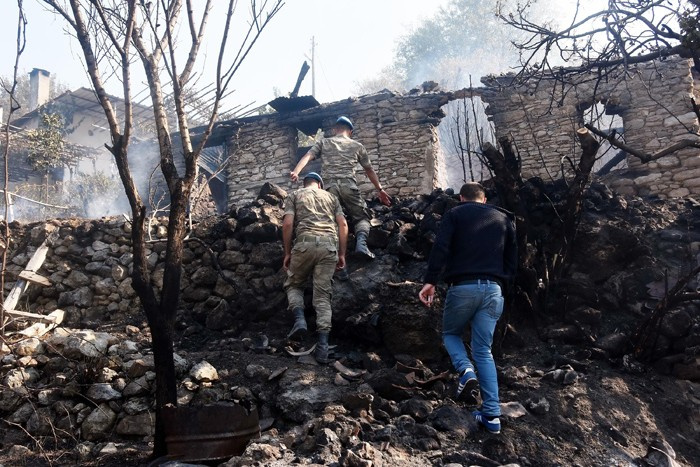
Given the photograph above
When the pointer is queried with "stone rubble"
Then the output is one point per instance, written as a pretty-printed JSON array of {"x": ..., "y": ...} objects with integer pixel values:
[{"x": 387, "y": 404}]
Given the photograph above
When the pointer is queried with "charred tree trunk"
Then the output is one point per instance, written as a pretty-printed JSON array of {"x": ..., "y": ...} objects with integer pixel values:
[
  {"x": 574, "y": 198},
  {"x": 508, "y": 180},
  {"x": 161, "y": 324},
  {"x": 166, "y": 391}
]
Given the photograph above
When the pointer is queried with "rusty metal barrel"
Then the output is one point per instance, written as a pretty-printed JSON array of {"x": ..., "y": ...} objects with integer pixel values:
[{"x": 212, "y": 432}]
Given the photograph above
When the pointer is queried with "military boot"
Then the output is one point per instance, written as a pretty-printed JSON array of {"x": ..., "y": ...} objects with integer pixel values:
[
  {"x": 361, "y": 244},
  {"x": 299, "y": 329},
  {"x": 321, "y": 352}
]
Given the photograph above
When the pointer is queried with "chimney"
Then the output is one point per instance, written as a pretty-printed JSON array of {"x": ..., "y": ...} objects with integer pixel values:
[{"x": 39, "y": 85}]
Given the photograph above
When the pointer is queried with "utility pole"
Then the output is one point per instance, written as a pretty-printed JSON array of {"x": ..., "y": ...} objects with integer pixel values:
[
  {"x": 313, "y": 66},
  {"x": 312, "y": 59}
]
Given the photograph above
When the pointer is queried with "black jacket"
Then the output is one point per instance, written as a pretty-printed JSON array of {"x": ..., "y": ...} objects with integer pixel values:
[{"x": 475, "y": 241}]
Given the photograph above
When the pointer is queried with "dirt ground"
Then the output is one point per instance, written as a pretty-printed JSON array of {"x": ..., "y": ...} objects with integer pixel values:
[{"x": 610, "y": 415}]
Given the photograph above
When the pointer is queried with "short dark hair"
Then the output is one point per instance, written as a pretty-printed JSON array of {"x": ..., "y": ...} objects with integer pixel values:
[
  {"x": 308, "y": 181},
  {"x": 342, "y": 126},
  {"x": 472, "y": 191}
]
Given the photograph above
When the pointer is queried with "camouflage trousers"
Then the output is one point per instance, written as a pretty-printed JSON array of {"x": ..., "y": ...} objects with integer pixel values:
[
  {"x": 314, "y": 257},
  {"x": 353, "y": 203}
]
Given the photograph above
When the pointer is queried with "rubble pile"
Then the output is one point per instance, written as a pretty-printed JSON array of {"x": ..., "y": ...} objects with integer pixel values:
[{"x": 387, "y": 398}]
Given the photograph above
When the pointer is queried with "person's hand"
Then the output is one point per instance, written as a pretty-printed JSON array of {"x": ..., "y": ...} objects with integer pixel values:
[
  {"x": 287, "y": 260},
  {"x": 341, "y": 263},
  {"x": 427, "y": 294},
  {"x": 384, "y": 198},
  {"x": 293, "y": 176}
]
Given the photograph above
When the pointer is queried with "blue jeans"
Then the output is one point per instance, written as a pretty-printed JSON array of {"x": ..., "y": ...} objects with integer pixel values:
[{"x": 480, "y": 304}]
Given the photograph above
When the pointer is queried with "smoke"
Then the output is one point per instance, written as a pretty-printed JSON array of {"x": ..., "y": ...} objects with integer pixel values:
[{"x": 456, "y": 48}]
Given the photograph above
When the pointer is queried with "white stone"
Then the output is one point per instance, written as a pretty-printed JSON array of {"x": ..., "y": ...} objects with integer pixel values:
[
  {"x": 109, "y": 448},
  {"x": 679, "y": 193},
  {"x": 82, "y": 343},
  {"x": 645, "y": 180},
  {"x": 204, "y": 371},
  {"x": 18, "y": 377},
  {"x": 107, "y": 375},
  {"x": 32, "y": 346}
]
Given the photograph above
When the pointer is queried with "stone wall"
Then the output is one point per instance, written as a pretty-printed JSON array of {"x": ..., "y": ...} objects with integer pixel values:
[
  {"x": 653, "y": 100},
  {"x": 92, "y": 379},
  {"x": 262, "y": 151},
  {"x": 399, "y": 132}
]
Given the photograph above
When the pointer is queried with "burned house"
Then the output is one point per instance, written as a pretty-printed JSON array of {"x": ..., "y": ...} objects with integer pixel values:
[
  {"x": 399, "y": 132},
  {"x": 650, "y": 101}
]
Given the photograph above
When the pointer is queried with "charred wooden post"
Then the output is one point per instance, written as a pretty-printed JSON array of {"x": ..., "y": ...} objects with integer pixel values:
[{"x": 302, "y": 74}]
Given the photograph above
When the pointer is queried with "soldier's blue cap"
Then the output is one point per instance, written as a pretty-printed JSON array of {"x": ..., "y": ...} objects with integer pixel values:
[
  {"x": 315, "y": 176},
  {"x": 345, "y": 121}
]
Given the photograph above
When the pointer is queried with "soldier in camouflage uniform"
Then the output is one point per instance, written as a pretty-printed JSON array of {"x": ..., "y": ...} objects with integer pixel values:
[
  {"x": 339, "y": 155},
  {"x": 319, "y": 249}
]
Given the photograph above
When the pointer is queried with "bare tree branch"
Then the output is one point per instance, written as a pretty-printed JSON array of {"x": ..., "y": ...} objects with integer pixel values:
[
  {"x": 20, "y": 44},
  {"x": 610, "y": 137}
]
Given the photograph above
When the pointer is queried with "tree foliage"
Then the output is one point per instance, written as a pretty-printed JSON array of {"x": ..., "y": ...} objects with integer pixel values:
[{"x": 46, "y": 143}]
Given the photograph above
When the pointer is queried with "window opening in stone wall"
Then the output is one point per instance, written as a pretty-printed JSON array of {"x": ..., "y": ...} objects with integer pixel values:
[
  {"x": 213, "y": 162},
  {"x": 462, "y": 132},
  {"x": 606, "y": 117},
  {"x": 306, "y": 137}
]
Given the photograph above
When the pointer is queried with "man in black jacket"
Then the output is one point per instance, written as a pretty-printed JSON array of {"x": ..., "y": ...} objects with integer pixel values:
[{"x": 476, "y": 246}]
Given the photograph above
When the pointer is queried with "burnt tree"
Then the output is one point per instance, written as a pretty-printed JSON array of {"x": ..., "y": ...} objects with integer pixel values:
[
  {"x": 114, "y": 36},
  {"x": 10, "y": 89},
  {"x": 539, "y": 261}
]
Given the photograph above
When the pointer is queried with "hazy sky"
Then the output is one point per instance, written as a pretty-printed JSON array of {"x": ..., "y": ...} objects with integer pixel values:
[{"x": 355, "y": 39}]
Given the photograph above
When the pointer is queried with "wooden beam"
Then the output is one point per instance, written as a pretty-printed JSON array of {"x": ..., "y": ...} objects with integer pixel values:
[
  {"x": 35, "y": 316},
  {"x": 35, "y": 278},
  {"x": 33, "y": 265}
]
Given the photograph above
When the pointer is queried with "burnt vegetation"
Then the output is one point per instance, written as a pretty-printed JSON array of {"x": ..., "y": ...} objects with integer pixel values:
[{"x": 597, "y": 351}]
